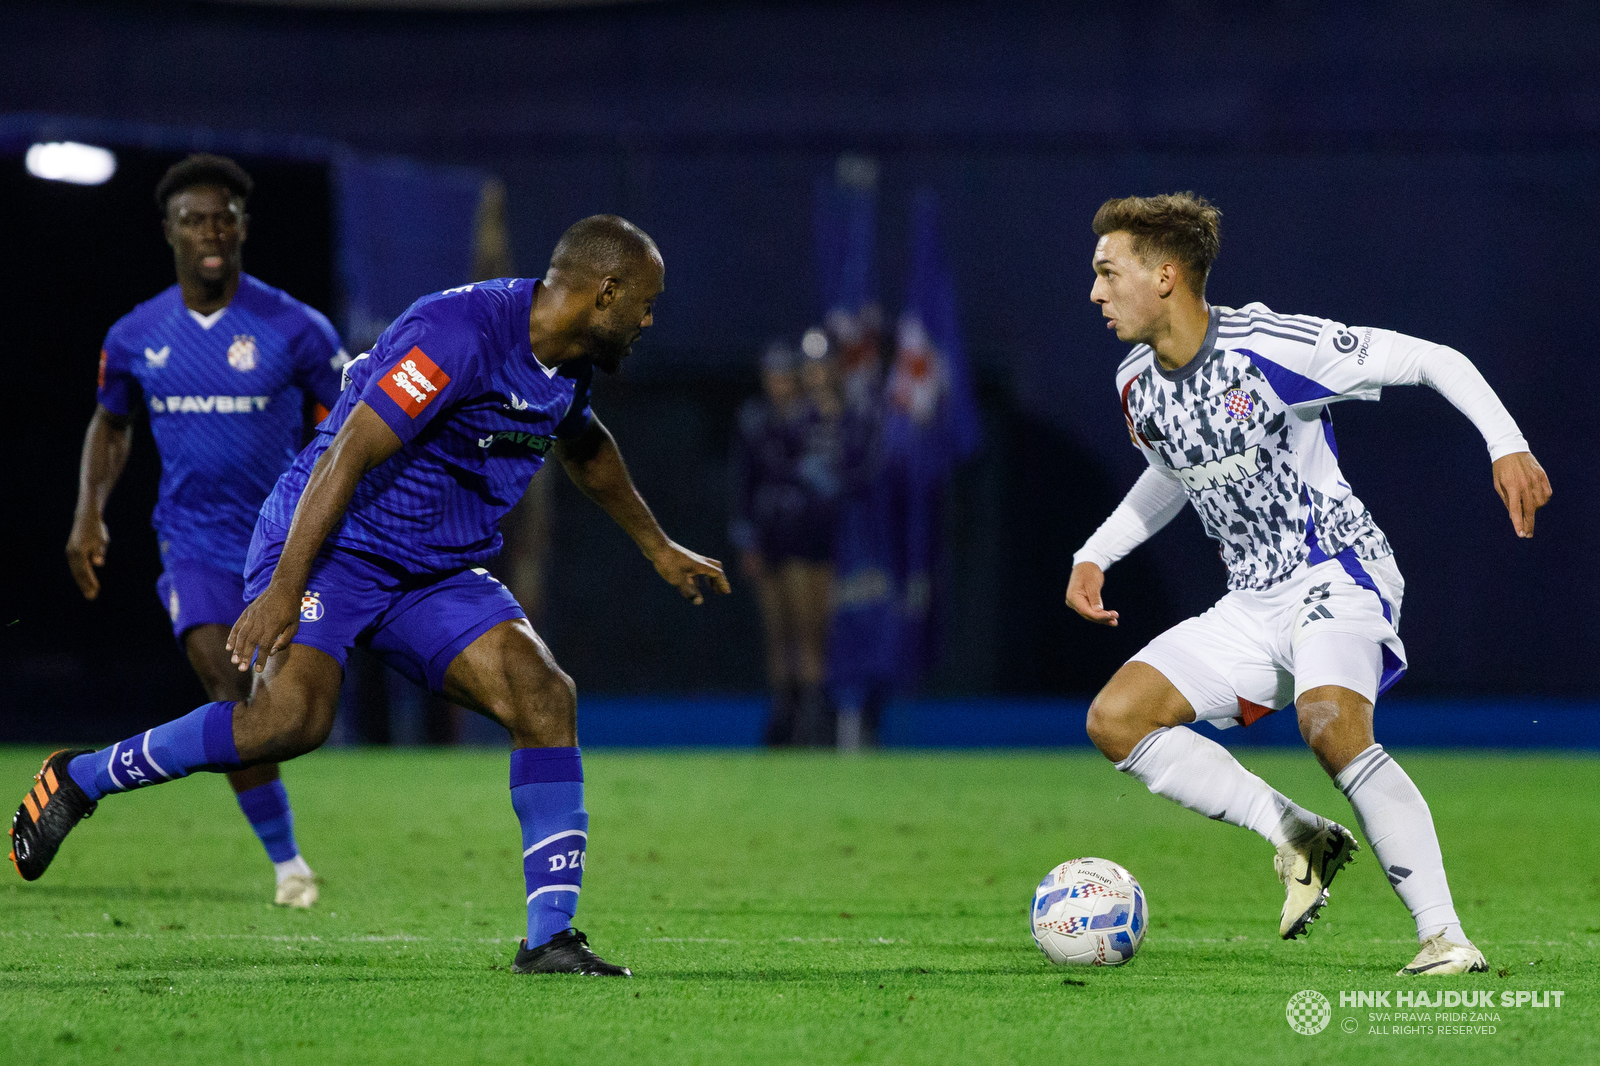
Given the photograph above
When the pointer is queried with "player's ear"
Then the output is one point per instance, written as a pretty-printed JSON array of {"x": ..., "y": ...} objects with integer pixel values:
[
  {"x": 244, "y": 227},
  {"x": 1166, "y": 278},
  {"x": 606, "y": 295}
]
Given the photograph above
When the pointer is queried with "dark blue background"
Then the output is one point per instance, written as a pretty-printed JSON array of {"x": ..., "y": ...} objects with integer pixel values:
[{"x": 1425, "y": 167}]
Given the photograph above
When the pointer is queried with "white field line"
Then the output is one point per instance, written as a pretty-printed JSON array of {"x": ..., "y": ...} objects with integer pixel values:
[{"x": 403, "y": 938}]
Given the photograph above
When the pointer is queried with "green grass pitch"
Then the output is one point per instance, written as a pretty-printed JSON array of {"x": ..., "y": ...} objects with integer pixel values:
[{"x": 776, "y": 908}]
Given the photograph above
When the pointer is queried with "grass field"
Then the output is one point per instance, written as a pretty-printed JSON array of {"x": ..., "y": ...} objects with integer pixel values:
[{"x": 789, "y": 908}]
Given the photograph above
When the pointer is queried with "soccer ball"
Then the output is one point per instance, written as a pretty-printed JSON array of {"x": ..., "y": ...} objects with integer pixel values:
[{"x": 1088, "y": 912}]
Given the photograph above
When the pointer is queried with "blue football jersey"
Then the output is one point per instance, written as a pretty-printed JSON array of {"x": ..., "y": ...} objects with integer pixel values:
[
  {"x": 457, "y": 380},
  {"x": 225, "y": 394}
]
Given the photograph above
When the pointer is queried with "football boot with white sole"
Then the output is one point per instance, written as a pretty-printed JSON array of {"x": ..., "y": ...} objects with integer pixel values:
[
  {"x": 50, "y": 809},
  {"x": 1441, "y": 958},
  {"x": 567, "y": 952},
  {"x": 1306, "y": 868},
  {"x": 296, "y": 890}
]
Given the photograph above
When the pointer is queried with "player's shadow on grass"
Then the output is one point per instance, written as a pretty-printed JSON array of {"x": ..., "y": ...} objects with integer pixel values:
[
  {"x": 134, "y": 892},
  {"x": 813, "y": 974}
]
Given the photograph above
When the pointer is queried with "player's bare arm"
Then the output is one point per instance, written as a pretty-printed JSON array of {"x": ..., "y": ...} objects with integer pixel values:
[
  {"x": 105, "y": 453},
  {"x": 270, "y": 622},
  {"x": 594, "y": 463},
  {"x": 1523, "y": 486}
]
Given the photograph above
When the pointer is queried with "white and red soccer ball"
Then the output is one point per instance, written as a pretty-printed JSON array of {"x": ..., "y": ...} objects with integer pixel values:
[{"x": 1088, "y": 912}]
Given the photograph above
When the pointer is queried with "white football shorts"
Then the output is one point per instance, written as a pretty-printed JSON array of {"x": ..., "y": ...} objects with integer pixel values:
[{"x": 1333, "y": 623}]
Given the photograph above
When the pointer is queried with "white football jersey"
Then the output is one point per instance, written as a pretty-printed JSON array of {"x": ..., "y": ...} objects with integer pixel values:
[{"x": 1245, "y": 427}]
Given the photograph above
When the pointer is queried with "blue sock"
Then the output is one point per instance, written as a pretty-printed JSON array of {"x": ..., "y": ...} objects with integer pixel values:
[
  {"x": 267, "y": 807},
  {"x": 547, "y": 794},
  {"x": 200, "y": 740}
]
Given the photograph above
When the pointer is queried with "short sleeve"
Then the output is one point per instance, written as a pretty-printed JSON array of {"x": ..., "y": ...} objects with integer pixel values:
[
  {"x": 319, "y": 358},
  {"x": 118, "y": 389},
  {"x": 576, "y": 420},
  {"x": 427, "y": 361}
]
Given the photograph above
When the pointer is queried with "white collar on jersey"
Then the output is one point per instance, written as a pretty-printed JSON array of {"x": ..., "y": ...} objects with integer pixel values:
[
  {"x": 206, "y": 321},
  {"x": 549, "y": 371}
]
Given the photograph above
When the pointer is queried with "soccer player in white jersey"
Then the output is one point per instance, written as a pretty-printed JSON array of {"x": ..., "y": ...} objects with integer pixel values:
[{"x": 1230, "y": 409}]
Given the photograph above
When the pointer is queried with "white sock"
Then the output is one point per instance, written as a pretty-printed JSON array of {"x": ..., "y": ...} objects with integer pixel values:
[
  {"x": 289, "y": 867},
  {"x": 1399, "y": 827},
  {"x": 1200, "y": 774}
]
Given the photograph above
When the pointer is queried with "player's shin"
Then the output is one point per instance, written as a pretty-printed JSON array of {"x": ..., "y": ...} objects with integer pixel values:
[
  {"x": 1200, "y": 774},
  {"x": 1399, "y": 826},
  {"x": 547, "y": 794},
  {"x": 200, "y": 740}
]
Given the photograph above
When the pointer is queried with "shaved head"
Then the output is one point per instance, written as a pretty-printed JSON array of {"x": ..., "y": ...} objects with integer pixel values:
[
  {"x": 612, "y": 273},
  {"x": 604, "y": 246}
]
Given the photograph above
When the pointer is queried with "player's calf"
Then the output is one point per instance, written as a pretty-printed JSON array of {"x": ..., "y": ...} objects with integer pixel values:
[{"x": 509, "y": 674}]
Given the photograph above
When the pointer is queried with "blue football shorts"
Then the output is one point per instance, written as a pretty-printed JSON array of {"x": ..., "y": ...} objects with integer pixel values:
[
  {"x": 417, "y": 623},
  {"x": 195, "y": 594}
]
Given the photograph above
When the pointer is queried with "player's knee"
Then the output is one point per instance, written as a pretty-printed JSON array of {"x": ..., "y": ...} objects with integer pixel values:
[
  {"x": 560, "y": 698},
  {"x": 284, "y": 724},
  {"x": 543, "y": 711},
  {"x": 1335, "y": 731},
  {"x": 1111, "y": 719},
  {"x": 1317, "y": 719}
]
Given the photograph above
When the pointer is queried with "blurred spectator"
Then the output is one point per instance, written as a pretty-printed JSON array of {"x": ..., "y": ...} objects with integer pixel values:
[{"x": 786, "y": 462}]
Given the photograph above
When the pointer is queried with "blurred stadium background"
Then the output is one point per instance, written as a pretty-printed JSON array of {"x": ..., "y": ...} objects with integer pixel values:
[{"x": 1428, "y": 168}]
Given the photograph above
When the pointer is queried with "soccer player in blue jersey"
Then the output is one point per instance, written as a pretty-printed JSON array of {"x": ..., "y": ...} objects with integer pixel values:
[
  {"x": 223, "y": 363},
  {"x": 378, "y": 533}
]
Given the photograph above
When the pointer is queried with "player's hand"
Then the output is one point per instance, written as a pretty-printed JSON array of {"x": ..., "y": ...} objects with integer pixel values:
[
  {"x": 267, "y": 626},
  {"x": 1083, "y": 594},
  {"x": 1523, "y": 486},
  {"x": 86, "y": 549},
  {"x": 683, "y": 569}
]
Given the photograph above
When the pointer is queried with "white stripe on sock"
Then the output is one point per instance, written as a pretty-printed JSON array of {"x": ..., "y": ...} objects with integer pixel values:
[
  {"x": 111, "y": 765},
  {"x": 553, "y": 888},
  {"x": 151, "y": 761},
  {"x": 556, "y": 836}
]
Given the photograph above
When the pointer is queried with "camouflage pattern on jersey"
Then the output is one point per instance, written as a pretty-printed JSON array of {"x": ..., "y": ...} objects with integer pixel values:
[{"x": 1249, "y": 435}]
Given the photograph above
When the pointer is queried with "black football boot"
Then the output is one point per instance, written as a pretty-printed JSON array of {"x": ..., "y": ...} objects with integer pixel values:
[
  {"x": 567, "y": 952},
  {"x": 51, "y": 808}
]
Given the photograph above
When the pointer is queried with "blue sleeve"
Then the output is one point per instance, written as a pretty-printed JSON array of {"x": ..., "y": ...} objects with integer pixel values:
[
  {"x": 576, "y": 420},
  {"x": 319, "y": 358},
  {"x": 118, "y": 389},
  {"x": 426, "y": 361}
]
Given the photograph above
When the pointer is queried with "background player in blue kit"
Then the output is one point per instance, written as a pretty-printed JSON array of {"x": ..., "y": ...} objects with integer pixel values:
[
  {"x": 223, "y": 362},
  {"x": 377, "y": 535}
]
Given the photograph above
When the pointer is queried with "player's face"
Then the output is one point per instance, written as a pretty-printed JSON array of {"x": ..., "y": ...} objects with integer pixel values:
[
  {"x": 631, "y": 310},
  {"x": 206, "y": 227},
  {"x": 1127, "y": 290}
]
